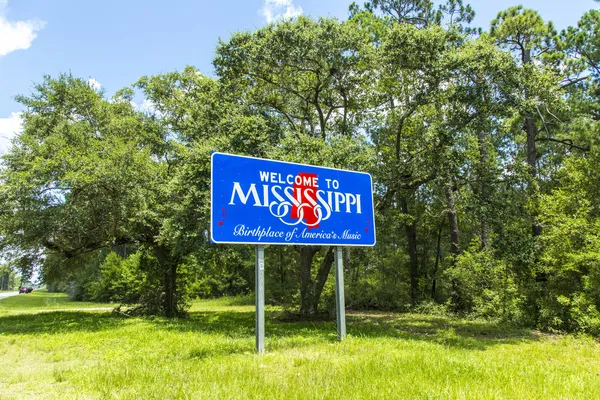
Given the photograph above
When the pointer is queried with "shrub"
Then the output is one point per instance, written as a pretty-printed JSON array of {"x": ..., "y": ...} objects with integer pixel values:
[
  {"x": 120, "y": 280},
  {"x": 488, "y": 288}
]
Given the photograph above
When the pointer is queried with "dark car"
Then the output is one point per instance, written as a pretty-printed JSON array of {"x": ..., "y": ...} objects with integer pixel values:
[{"x": 25, "y": 289}]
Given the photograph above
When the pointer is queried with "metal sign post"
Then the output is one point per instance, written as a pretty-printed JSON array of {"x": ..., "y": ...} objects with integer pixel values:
[
  {"x": 340, "y": 306},
  {"x": 260, "y": 299}
]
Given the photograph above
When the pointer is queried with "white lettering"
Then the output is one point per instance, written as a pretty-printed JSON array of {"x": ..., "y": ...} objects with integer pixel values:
[
  {"x": 350, "y": 201},
  {"x": 306, "y": 200},
  {"x": 353, "y": 236},
  {"x": 237, "y": 189},
  {"x": 339, "y": 199}
]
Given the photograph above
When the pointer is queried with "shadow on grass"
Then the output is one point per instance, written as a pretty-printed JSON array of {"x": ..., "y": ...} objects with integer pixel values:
[
  {"x": 57, "y": 322},
  {"x": 473, "y": 335},
  {"x": 448, "y": 331}
]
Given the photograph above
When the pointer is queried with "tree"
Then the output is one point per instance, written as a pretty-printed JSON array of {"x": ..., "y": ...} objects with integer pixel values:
[
  {"x": 571, "y": 218},
  {"x": 314, "y": 77},
  {"x": 530, "y": 39},
  {"x": 83, "y": 176},
  {"x": 420, "y": 13},
  {"x": 8, "y": 277},
  {"x": 413, "y": 86},
  {"x": 200, "y": 116}
]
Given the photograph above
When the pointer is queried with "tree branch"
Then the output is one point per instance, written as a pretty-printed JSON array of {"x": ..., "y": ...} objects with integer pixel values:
[
  {"x": 566, "y": 142},
  {"x": 570, "y": 81}
]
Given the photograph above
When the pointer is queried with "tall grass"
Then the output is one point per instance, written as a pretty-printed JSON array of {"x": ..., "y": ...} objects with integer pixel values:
[{"x": 78, "y": 354}]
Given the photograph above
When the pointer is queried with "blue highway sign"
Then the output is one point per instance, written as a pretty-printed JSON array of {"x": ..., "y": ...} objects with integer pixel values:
[{"x": 259, "y": 201}]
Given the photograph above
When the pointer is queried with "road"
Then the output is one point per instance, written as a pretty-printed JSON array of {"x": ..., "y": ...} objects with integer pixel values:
[{"x": 4, "y": 295}]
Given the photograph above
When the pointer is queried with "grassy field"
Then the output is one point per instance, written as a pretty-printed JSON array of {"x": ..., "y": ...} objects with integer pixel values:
[
  {"x": 42, "y": 301},
  {"x": 70, "y": 353}
]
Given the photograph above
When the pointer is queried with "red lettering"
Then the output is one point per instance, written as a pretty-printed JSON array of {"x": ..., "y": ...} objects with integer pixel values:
[{"x": 302, "y": 182}]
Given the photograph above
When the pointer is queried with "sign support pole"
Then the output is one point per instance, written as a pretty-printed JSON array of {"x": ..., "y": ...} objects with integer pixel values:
[
  {"x": 339, "y": 294},
  {"x": 260, "y": 299}
]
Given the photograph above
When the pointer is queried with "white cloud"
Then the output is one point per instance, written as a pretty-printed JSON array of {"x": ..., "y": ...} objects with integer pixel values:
[
  {"x": 94, "y": 84},
  {"x": 16, "y": 35},
  {"x": 280, "y": 9},
  {"x": 148, "y": 107},
  {"x": 9, "y": 127}
]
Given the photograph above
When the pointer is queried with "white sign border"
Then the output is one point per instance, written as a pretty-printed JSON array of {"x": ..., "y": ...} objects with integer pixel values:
[{"x": 294, "y": 243}]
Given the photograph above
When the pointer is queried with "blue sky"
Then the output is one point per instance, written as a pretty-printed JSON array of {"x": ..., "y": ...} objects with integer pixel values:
[{"x": 114, "y": 42}]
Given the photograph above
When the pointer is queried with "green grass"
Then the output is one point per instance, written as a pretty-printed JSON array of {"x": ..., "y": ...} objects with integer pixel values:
[
  {"x": 41, "y": 300},
  {"x": 79, "y": 354}
]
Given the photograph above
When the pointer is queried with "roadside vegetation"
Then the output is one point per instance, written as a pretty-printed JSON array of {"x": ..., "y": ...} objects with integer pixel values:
[
  {"x": 41, "y": 300},
  {"x": 91, "y": 354},
  {"x": 483, "y": 144}
]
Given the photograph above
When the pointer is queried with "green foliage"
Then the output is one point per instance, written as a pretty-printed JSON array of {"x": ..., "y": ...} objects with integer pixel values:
[
  {"x": 523, "y": 30},
  {"x": 571, "y": 257},
  {"x": 120, "y": 280},
  {"x": 77, "y": 172},
  {"x": 86, "y": 174},
  {"x": 482, "y": 147},
  {"x": 8, "y": 277},
  {"x": 312, "y": 74},
  {"x": 487, "y": 285},
  {"x": 421, "y": 13},
  {"x": 222, "y": 272}
]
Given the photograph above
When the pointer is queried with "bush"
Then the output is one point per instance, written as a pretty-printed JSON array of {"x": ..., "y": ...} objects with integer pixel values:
[
  {"x": 430, "y": 307},
  {"x": 572, "y": 295},
  {"x": 120, "y": 280},
  {"x": 487, "y": 287}
]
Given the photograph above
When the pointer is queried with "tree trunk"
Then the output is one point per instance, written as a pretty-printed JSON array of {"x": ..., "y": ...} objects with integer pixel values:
[
  {"x": 531, "y": 146},
  {"x": 530, "y": 131},
  {"x": 169, "y": 281},
  {"x": 438, "y": 253},
  {"x": 171, "y": 295},
  {"x": 484, "y": 195},
  {"x": 322, "y": 275},
  {"x": 454, "y": 244},
  {"x": 411, "y": 239},
  {"x": 347, "y": 259},
  {"x": 536, "y": 228},
  {"x": 281, "y": 272},
  {"x": 529, "y": 126},
  {"x": 452, "y": 221},
  {"x": 306, "y": 285}
]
